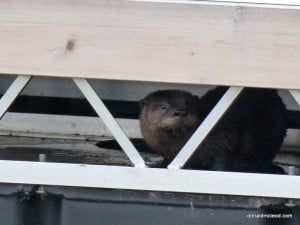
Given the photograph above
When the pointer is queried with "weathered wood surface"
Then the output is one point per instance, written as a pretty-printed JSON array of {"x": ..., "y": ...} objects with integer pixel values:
[
  {"x": 106, "y": 152},
  {"x": 192, "y": 42},
  {"x": 67, "y": 151}
]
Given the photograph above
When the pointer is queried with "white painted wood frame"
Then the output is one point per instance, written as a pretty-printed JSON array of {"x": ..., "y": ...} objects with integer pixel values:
[
  {"x": 151, "y": 179},
  {"x": 110, "y": 122},
  {"x": 296, "y": 95},
  {"x": 12, "y": 92},
  {"x": 141, "y": 178},
  {"x": 204, "y": 42},
  {"x": 205, "y": 127}
]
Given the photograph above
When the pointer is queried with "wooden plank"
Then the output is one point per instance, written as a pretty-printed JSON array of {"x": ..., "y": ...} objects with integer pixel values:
[
  {"x": 109, "y": 121},
  {"x": 12, "y": 93},
  {"x": 252, "y": 3},
  {"x": 204, "y": 128},
  {"x": 220, "y": 43},
  {"x": 78, "y": 127},
  {"x": 67, "y": 151}
]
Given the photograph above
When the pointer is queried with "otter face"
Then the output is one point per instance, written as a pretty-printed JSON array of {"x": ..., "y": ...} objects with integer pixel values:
[{"x": 170, "y": 113}]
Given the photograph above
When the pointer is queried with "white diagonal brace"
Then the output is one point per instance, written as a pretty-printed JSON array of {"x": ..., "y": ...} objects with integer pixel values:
[
  {"x": 296, "y": 95},
  {"x": 110, "y": 122},
  {"x": 12, "y": 92},
  {"x": 202, "y": 131}
]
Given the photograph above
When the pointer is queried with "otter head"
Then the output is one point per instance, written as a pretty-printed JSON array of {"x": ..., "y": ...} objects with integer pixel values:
[{"x": 168, "y": 116}]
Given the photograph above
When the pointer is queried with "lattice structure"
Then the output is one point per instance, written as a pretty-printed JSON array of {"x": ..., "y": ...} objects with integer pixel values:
[
  {"x": 238, "y": 44},
  {"x": 140, "y": 177}
]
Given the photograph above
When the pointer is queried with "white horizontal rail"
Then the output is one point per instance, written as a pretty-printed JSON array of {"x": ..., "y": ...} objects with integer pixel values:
[
  {"x": 189, "y": 181},
  {"x": 79, "y": 127},
  {"x": 110, "y": 122},
  {"x": 12, "y": 92},
  {"x": 205, "y": 127}
]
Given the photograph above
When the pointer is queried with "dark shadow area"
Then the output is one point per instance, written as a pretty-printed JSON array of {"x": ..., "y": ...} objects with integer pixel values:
[
  {"x": 74, "y": 107},
  {"x": 42, "y": 209},
  {"x": 138, "y": 143}
]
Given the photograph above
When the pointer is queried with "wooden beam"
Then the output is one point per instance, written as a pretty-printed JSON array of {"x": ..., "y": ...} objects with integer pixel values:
[
  {"x": 220, "y": 43},
  {"x": 130, "y": 178},
  {"x": 45, "y": 125}
]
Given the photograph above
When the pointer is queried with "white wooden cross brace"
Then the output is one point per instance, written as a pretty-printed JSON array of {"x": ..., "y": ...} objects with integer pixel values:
[
  {"x": 205, "y": 127},
  {"x": 296, "y": 95},
  {"x": 110, "y": 122},
  {"x": 12, "y": 92},
  {"x": 22, "y": 80}
]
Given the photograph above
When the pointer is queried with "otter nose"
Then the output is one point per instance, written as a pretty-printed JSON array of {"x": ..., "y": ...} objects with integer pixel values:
[{"x": 181, "y": 112}]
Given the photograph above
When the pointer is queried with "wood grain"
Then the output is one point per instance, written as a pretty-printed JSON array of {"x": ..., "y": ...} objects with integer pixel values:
[{"x": 144, "y": 41}]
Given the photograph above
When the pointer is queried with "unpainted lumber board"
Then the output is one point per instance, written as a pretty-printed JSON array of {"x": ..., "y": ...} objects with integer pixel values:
[{"x": 223, "y": 44}]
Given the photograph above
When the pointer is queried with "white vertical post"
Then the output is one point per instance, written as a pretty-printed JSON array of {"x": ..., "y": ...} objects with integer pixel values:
[
  {"x": 202, "y": 131},
  {"x": 296, "y": 95},
  {"x": 12, "y": 92},
  {"x": 110, "y": 122}
]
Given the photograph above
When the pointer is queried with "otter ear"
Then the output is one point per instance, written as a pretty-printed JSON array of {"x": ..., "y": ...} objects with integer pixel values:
[
  {"x": 143, "y": 102},
  {"x": 196, "y": 98}
]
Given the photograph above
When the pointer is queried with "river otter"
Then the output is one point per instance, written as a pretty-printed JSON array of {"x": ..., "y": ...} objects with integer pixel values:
[{"x": 245, "y": 139}]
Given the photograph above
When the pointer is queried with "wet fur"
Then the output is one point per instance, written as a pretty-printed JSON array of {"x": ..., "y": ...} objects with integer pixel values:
[{"x": 246, "y": 138}]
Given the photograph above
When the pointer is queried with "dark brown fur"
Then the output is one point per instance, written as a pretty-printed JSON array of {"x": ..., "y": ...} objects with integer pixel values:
[{"x": 246, "y": 138}]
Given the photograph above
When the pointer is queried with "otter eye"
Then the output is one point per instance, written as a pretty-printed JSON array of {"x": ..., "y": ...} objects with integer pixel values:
[{"x": 163, "y": 106}]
